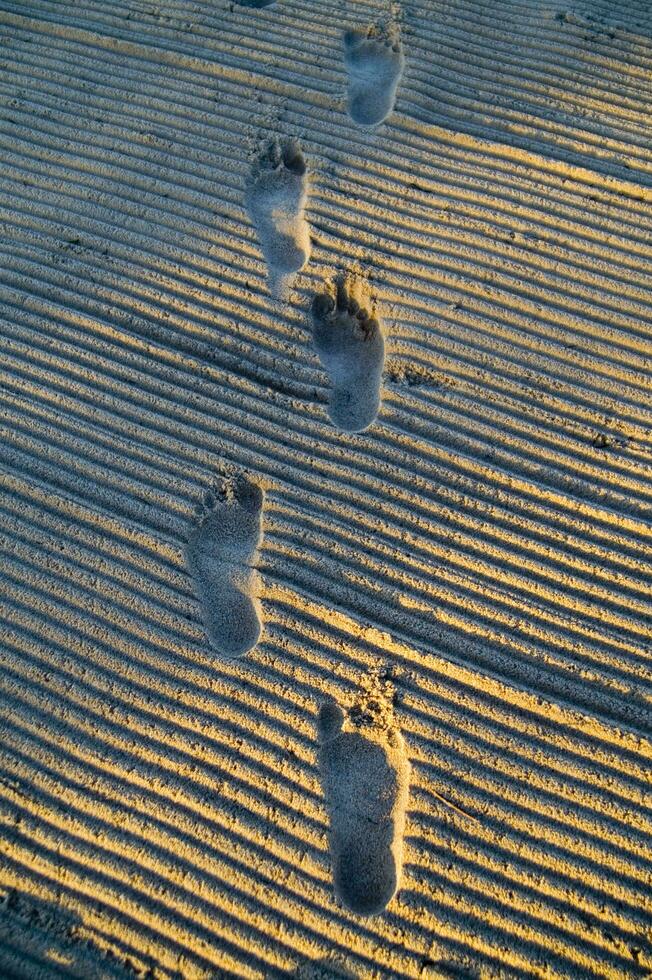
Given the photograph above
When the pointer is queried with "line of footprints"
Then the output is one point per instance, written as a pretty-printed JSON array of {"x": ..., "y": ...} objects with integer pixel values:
[{"x": 362, "y": 756}]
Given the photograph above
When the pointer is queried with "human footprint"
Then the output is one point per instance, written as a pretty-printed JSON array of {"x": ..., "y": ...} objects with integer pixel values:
[
  {"x": 351, "y": 347},
  {"x": 275, "y": 198},
  {"x": 365, "y": 775},
  {"x": 221, "y": 555},
  {"x": 375, "y": 66}
]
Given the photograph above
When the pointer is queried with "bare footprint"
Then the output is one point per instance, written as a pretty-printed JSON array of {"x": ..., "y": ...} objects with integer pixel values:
[
  {"x": 365, "y": 774},
  {"x": 221, "y": 555},
  {"x": 351, "y": 347},
  {"x": 375, "y": 65},
  {"x": 275, "y": 198}
]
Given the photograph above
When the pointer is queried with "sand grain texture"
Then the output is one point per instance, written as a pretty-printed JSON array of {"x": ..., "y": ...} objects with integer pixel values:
[{"x": 481, "y": 548}]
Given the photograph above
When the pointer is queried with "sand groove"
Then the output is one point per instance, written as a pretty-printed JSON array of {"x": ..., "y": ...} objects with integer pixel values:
[{"x": 481, "y": 549}]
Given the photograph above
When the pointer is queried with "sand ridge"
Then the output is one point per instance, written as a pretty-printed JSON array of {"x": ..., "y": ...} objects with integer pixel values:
[{"x": 487, "y": 535}]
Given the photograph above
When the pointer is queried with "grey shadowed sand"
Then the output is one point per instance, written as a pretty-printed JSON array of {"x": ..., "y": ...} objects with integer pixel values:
[
  {"x": 221, "y": 555},
  {"x": 365, "y": 775},
  {"x": 374, "y": 66},
  {"x": 275, "y": 199},
  {"x": 351, "y": 347}
]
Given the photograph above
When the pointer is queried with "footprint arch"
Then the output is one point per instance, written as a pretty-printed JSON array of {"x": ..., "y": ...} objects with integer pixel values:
[
  {"x": 221, "y": 555},
  {"x": 365, "y": 775},
  {"x": 351, "y": 347},
  {"x": 275, "y": 198},
  {"x": 374, "y": 66}
]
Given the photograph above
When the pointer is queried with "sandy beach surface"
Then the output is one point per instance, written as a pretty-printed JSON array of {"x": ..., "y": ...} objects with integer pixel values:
[{"x": 325, "y": 456}]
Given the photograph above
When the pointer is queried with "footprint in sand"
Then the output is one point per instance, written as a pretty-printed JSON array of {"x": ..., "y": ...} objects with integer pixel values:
[
  {"x": 374, "y": 65},
  {"x": 221, "y": 555},
  {"x": 275, "y": 198},
  {"x": 365, "y": 774},
  {"x": 351, "y": 347}
]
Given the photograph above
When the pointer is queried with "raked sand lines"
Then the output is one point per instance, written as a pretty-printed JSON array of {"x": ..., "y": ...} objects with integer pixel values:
[
  {"x": 478, "y": 535},
  {"x": 582, "y": 99}
]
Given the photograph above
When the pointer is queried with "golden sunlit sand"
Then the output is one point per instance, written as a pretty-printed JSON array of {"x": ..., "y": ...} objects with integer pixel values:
[{"x": 325, "y": 486}]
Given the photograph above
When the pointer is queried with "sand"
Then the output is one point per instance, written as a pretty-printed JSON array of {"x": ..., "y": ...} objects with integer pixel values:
[{"x": 226, "y": 504}]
